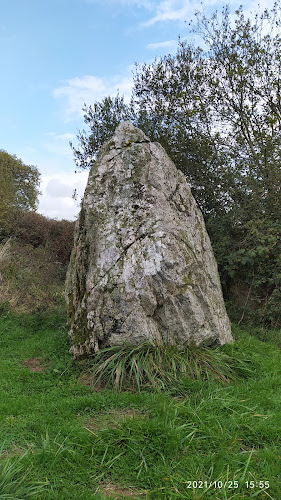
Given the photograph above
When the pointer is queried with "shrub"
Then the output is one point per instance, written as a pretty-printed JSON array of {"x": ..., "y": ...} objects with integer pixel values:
[{"x": 37, "y": 230}]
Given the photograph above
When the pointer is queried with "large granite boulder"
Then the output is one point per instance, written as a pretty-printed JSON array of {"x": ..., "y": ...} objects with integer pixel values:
[{"x": 142, "y": 267}]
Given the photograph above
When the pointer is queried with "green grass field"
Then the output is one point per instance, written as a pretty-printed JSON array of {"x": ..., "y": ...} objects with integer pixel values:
[{"x": 63, "y": 438}]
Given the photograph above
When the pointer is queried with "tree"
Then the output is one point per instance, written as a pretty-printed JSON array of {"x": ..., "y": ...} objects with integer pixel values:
[
  {"x": 172, "y": 98},
  {"x": 217, "y": 111},
  {"x": 19, "y": 187},
  {"x": 227, "y": 99},
  {"x": 244, "y": 83},
  {"x": 102, "y": 118}
]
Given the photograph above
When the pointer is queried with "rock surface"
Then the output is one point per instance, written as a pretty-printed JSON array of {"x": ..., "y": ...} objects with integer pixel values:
[{"x": 142, "y": 267}]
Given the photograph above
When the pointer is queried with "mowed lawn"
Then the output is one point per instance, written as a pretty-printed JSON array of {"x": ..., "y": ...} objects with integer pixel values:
[{"x": 63, "y": 438}]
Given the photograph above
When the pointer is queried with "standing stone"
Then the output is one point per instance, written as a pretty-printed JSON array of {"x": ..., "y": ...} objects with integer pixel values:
[{"x": 142, "y": 267}]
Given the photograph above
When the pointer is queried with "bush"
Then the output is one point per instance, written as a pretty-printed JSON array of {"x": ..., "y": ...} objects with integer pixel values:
[
  {"x": 33, "y": 262},
  {"x": 249, "y": 260},
  {"x": 37, "y": 230}
]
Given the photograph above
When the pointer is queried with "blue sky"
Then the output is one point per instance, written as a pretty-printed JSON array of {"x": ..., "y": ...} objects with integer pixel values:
[{"x": 57, "y": 54}]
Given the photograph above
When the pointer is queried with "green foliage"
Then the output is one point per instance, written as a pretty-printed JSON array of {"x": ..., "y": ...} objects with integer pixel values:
[
  {"x": 15, "y": 480},
  {"x": 102, "y": 118},
  {"x": 249, "y": 259},
  {"x": 171, "y": 95},
  {"x": 162, "y": 366},
  {"x": 36, "y": 230},
  {"x": 33, "y": 263},
  {"x": 216, "y": 110},
  {"x": 19, "y": 187},
  {"x": 34, "y": 250}
]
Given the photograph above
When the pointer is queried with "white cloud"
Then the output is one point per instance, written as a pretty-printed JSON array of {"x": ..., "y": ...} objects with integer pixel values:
[
  {"x": 64, "y": 137},
  {"x": 171, "y": 10},
  {"x": 56, "y": 199},
  {"x": 168, "y": 44},
  {"x": 88, "y": 89},
  {"x": 183, "y": 10},
  {"x": 57, "y": 189},
  {"x": 147, "y": 4},
  {"x": 54, "y": 159}
]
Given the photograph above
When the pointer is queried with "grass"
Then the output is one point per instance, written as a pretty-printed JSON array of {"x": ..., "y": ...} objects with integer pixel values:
[
  {"x": 170, "y": 368},
  {"x": 14, "y": 480},
  {"x": 212, "y": 420}
]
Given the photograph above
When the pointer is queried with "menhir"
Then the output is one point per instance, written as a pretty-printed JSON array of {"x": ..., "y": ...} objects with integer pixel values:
[{"x": 142, "y": 267}]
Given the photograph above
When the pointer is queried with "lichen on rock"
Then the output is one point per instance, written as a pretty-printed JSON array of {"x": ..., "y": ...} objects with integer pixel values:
[{"x": 142, "y": 267}]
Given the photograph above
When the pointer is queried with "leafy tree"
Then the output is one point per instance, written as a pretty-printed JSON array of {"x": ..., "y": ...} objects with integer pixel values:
[
  {"x": 171, "y": 96},
  {"x": 243, "y": 79},
  {"x": 19, "y": 187},
  {"x": 244, "y": 83},
  {"x": 217, "y": 111},
  {"x": 102, "y": 118},
  {"x": 223, "y": 104}
]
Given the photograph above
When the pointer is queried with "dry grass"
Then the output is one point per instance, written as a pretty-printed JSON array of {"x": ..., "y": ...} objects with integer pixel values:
[
  {"x": 5, "y": 250},
  {"x": 111, "y": 419},
  {"x": 112, "y": 490},
  {"x": 16, "y": 450},
  {"x": 34, "y": 365}
]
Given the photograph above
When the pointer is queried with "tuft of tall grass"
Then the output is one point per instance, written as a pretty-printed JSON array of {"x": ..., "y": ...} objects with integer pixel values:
[
  {"x": 163, "y": 367},
  {"x": 16, "y": 479}
]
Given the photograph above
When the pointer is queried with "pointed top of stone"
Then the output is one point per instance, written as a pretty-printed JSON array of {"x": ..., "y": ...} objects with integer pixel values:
[{"x": 126, "y": 134}]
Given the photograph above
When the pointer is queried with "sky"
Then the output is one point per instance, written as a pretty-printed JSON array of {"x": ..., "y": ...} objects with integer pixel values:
[{"x": 56, "y": 55}]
